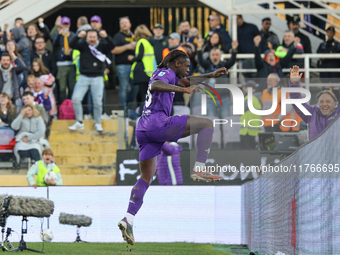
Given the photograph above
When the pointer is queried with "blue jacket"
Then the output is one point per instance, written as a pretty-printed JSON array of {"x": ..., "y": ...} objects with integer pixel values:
[{"x": 58, "y": 43}]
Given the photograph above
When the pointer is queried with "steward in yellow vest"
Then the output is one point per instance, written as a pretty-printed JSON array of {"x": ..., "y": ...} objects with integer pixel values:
[
  {"x": 148, "y": 58},
  {"x": 252, "y": 126}
]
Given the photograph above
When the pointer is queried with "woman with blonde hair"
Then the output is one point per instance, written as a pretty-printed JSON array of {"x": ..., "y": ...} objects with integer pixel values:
[
  {"x": 33, "y": 32},
  {"x": 7, "y": 111},
  {"x": 30, "y": 139},
  {"x": 144, "y": 64}
]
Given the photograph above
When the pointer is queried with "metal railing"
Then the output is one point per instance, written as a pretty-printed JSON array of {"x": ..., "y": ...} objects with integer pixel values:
[{"x": 307, "y": 68}]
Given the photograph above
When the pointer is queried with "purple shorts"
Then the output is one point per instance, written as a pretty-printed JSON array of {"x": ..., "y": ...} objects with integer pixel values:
[{"x": 151, "y": 142}]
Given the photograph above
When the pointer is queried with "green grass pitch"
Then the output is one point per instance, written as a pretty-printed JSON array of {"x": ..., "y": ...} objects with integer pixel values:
[{"x": 138, "y": 248}]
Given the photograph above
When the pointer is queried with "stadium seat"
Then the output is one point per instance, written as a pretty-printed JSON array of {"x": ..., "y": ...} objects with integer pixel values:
[{"x": 7, "y": 142}]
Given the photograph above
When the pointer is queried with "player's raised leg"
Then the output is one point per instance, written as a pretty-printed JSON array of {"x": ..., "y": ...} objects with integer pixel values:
[
  {"x": 204, "y": 128},
  {"x": 148, "y": 168}
]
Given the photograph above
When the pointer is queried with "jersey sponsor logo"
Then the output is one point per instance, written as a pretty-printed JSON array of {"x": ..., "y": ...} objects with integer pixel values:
[{"x": 161, "y": 73}]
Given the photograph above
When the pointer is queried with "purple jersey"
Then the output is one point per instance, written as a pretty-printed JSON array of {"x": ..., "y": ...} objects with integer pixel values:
[{"x": 157, "y": 105}]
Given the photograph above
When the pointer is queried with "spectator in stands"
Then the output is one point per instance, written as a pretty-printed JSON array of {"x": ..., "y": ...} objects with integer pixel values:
[
  {"x": 271, "y": 123},
  {"x": 330, "y": 46},
  {"x": 41, "y": 95},
  {"x": 23, "y": 44},
  {"x": 183, "y": 30},
  {"x": 290, "y": 41},
  {"x": 169, "y": 170},
  {"x": 265, "y": 33},
  {"x": 45, "y": 55},
  {"x": 273, "y": 42},
  {"x": 214, "y": 41},
  {"x": 9, "y": 75},
  {"x": 83, "y": 24},
  {"x": 247, "y": 132},
  {"x": 92, "y": 64},
  {"x": 217, "y": 27},
  {"x": 96, "y": 23},
  {"x": 270, "y": 63},
  {"x": 33, "y": 32},
  {"x": 66, "y": 71},
  {"x": 42, "y": 167},
  {"x": 12, "y": 47},
  {"x": 193, "y": 35},
  {"x": 190, "y": 46},
  {"x": 30, "y": 82},
  {"x": 245, "y": 35},
  {"x": 160, "y": 42},
  {"x": 38, "y": 68},
  {"x": 124, "y": 46},
  {"x": 28, "y": 99},
  {"x": 7, "y": 111},
  {"x": 174, "y": 43},
  {"x": 144, "y": 64},
  {"x": 212, "y": 64},
  {"x": 294, "y": 25},
  {"x": 31, "y": 129},
  {"x": 19, "y": 22},
  {"x": 322, "y": 114}
]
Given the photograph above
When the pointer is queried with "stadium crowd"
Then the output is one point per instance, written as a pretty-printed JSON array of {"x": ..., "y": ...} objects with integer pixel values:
[{"x": 35, "y": 82}]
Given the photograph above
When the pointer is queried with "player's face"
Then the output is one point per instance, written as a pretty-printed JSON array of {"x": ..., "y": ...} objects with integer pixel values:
[
  {"x": 47, "y": 158},
  {"x": 183, "y": 68},
  {"x": 326, "y": 104}
]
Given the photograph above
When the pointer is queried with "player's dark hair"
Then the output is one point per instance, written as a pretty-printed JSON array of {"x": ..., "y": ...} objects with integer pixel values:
[{"x": 173, "y": 56}]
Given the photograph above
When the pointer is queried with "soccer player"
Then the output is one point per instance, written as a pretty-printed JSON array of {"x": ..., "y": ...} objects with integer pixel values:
[{"x": 156, "y": 127}]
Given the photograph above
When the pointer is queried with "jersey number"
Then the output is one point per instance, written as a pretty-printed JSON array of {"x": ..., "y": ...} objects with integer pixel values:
[{"x": 148, "y": 98}]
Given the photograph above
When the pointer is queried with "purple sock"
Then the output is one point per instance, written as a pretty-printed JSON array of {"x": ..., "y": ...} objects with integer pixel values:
[
  {"x": 137, "y": 194},
  {"x": 204, "y": 139}
]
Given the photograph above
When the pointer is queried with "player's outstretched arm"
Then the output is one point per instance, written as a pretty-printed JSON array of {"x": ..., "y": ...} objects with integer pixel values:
[
  {"x": 186, "y": 81},
  {"x": 162, "y": 86}
]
